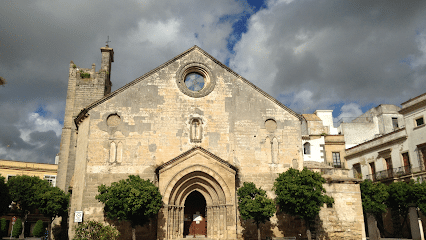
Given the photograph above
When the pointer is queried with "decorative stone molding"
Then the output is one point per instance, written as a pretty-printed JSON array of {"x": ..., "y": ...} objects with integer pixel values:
[
  {"x": 113, "y": 120},
  {"x": 198, "y": 68}
]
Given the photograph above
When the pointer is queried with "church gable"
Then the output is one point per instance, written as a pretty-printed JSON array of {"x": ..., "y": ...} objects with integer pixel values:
[
  {"x": 160, "y": 116},
  {"x": 193, "y": 60}
]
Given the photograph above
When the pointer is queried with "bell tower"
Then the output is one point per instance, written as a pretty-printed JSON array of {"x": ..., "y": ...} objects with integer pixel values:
[{"x": 85, "y": 86}]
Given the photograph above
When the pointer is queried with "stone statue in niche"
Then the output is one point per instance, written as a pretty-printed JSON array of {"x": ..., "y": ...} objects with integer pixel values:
[{"x": 196, "y": 130}]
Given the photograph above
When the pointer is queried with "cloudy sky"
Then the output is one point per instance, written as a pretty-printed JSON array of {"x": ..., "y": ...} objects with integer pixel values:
[{"x": 347, "y": 56}]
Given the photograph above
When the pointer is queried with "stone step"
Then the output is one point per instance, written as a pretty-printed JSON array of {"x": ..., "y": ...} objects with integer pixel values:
[{"x": 199, "y": 237}]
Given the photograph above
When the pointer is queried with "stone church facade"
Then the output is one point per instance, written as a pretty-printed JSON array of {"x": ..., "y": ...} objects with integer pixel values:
[{"x": 194, "y": 127}]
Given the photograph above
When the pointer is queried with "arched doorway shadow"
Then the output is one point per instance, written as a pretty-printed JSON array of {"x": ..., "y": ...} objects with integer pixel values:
[{"x": 195, "y": 221}]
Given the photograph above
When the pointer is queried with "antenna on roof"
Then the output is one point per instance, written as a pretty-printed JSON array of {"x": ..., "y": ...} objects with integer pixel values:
[{"x": 107, "y": 41}]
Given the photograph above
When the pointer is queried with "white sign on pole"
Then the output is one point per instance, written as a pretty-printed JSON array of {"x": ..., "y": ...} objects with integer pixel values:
[{"x": 78, "y": 216}]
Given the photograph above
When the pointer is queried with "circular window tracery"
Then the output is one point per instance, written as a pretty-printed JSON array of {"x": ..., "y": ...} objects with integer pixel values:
[{"x": 195, "y": 80}]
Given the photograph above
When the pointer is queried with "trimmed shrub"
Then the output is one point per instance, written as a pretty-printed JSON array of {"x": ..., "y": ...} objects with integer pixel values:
[
  {"x": 17, "y": 228},
  {"x": 3, "y": 227},
  {"x": 38, "y": 230},
  {"x": 93, "y": 230}
]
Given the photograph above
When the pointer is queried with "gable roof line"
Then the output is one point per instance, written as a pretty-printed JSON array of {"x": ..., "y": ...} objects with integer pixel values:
[
  {"x": 191, "y": 151},
  {"x": 83, "y": 112},
  {"x": 250, "y": 84}
]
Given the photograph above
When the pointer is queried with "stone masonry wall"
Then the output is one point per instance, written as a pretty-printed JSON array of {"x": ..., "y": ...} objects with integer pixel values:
[
  {"x": 154, "y": 127},
  {"x": 344, "y": 220}
]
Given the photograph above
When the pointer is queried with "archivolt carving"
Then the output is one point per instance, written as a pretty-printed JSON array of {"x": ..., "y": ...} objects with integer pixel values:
[{"x": 201, "y": 175}]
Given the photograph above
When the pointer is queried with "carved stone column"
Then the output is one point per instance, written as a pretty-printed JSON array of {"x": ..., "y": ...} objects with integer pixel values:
[
  {"x": 210, "y": 221},
  {"x": 225, "y": 223},
  {"x": 216, "y": 221},
  {"x": 169, "y": 221},
  {"x": 175, "y": 223},
  {"x": 181, "y": 221}
]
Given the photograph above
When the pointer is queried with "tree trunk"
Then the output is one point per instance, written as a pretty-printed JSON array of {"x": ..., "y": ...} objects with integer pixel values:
[
  {"x": 308, "y": 230},
  {"x": 258, "y": 231},
  {"x": 134, "y": 233},
  {"x": 23, "y": 227},
  {"x": 49, "y": 230}
]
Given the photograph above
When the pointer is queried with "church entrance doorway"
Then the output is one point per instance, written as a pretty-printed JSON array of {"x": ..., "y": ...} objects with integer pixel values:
[
  {"x": 197, "y": 190},
  {"x": 195, "y": 221}
]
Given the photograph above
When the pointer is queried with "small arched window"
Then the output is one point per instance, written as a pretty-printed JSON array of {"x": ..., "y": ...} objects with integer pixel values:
[
  {"x": 112, "y": 152},
  {"x": 307, "y": 148},
  {"x": 196, "y": 130}
]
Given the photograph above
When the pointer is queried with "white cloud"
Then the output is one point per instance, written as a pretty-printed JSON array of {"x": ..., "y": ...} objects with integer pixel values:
[
  {"x": 349, "y": 112},
  {"x": 158, "y": 33},
  {"x": 35, "y": 122}
]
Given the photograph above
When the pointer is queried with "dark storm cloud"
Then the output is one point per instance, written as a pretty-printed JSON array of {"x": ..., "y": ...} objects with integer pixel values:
[
  {"x": 337, "y": 51},
  {"x": 38, "y": 39}
]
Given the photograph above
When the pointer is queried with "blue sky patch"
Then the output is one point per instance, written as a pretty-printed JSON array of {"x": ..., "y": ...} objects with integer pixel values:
[{"x": 41, "y": 111}]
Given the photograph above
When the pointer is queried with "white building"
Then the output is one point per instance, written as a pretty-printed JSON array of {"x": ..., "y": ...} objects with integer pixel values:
[
  {"x": 321, "y": 141},
  {"x": 397, "y": 151},
  {"x": 376, "y": 122}
]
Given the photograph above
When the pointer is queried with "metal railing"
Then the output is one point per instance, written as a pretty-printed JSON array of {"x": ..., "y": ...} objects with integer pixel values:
[
  {"x": 391, "y": 173},
  {"x": 388, "y": 173}
]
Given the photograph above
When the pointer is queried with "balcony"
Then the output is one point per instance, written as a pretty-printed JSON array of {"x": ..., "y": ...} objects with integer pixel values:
[
  {"x": 389, "y": 173},
  {"x": 385, "y": 174}
]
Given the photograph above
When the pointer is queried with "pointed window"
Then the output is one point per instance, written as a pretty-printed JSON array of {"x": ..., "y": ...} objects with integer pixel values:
[
  {"x": 112, "y": 152},
  {"x": 120, "y": 152}
]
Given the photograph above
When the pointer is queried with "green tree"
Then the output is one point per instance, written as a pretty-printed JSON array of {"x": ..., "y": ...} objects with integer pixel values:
[
  {"x": 25, "y": 191},
  {"x": 93, "y": 230},
  {"x": 52, "y": 203},
  {"x": 17, "y": 228},
  {"x": 5, "y": 197},
  {"x": 3, "y": 228},
  {"x": 301, "y": 193},
  {"x": 254, "y": 204},
  {"x": 374, "y": 197},
  {"x": 419, "y": 195},
  {"x": 400, "y": 197},
  {"x": 38, "y": 230},
  {"x": 132, "y": 199}
]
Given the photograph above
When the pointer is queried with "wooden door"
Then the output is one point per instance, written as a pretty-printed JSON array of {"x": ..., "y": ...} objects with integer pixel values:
[{"x": 198, "y": 227}]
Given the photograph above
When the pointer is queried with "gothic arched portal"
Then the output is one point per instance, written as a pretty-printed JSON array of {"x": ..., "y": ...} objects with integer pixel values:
[{"x": 199, "y": 196}]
